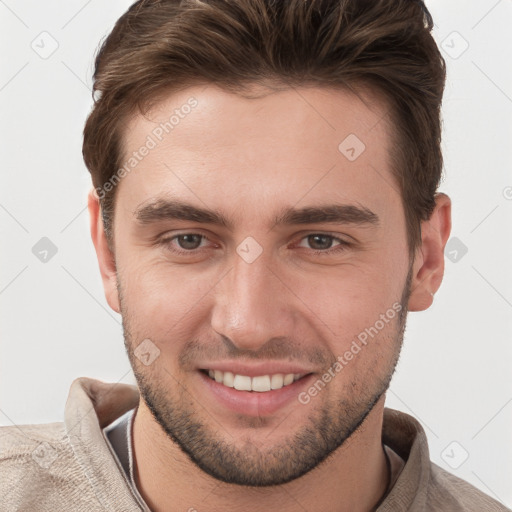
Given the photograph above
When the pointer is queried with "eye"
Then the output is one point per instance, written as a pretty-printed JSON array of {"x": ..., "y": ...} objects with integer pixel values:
[
  {"x": 184, "y": 243},
  {"x": 322, "y": 243},
  {"x": 191, "y": 243}
]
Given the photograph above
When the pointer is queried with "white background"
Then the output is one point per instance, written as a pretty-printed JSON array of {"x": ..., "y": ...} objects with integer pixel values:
[{"x": 454, "y": 374}]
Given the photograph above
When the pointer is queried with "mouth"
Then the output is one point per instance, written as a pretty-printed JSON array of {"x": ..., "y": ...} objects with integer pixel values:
[
  {"x": 258, "y": 394},
  {"x": 258, "y": 383}
]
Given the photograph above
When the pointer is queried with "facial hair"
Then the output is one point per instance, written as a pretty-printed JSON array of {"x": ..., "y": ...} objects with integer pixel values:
[{"x": 325, "y": 430}]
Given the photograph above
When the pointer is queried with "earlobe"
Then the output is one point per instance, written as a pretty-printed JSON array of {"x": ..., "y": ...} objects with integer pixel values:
[
  {"x": 105, "y": 257},
  {"x": 428, "y": 267}
]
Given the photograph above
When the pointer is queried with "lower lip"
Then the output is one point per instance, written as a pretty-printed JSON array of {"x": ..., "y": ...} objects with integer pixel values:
[{"x": 254, "y": 403}]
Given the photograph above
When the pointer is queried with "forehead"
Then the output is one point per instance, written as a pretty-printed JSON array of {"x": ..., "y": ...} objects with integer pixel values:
[
  {"x": 217, "y": 115},
  {"x": 286, "y": 146}
]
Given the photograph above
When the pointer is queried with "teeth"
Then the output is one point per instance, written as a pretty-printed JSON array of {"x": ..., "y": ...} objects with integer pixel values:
[
  {"x": 260, "y": 384},
  {"x": 288, "y": 379},
  {"x": 242, "y": 383},
  {"x": 276, "y": 382},
  {"x": 229, "y": 379}
]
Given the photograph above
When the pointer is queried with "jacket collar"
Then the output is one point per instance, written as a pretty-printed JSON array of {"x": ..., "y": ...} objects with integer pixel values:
[{"x": 92, "y": 405}]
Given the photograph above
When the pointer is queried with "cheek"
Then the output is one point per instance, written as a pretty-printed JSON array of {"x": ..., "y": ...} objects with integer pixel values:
[
  {"x": 357, "y": 311},
  {"x": 347, "y": 295},
  {"x": 162, "y": 302},
  {"x": 338, "y": 302}
]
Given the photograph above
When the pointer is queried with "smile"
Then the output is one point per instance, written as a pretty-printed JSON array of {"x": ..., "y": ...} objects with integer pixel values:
[{"x": 259, "y": 383}]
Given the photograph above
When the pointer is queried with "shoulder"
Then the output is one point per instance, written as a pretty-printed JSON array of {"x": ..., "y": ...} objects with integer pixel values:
[
  {"x": 422, "y": 485},
  {"x": 22, "y": 445},
  {"x": 449, "y": 492},
  {"x": 38, "y": 470}
]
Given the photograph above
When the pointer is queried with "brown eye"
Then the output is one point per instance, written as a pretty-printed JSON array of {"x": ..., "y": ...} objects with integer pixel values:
[{"x": 320, "y": 242}]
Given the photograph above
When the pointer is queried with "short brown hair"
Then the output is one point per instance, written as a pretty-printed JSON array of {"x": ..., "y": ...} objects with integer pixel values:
[{"x": 160, "y": 46}]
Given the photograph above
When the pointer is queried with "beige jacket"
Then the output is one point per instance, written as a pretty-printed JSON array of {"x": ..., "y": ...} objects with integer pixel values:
[{"x": 69, "y": 466}]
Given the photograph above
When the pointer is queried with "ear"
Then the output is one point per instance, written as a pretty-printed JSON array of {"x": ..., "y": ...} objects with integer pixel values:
[
  {"x": 428, "y": 266},
  {"x": 105, "y": 257}
]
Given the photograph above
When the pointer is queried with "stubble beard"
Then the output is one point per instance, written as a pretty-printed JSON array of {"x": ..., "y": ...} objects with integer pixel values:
[{"x": 251, "y": 464}]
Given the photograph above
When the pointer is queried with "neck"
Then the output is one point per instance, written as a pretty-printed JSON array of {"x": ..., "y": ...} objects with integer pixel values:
[{"x": 353, "y": 479}]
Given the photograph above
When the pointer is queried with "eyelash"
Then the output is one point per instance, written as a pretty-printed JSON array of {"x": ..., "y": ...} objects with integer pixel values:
[{"x": 343, "y": 244}]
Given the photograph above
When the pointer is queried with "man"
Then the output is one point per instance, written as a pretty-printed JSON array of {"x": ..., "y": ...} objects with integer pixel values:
[{"x": 228, "y": 140}]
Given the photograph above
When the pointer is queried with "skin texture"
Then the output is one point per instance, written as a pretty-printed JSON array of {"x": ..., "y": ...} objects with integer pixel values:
[{"x": 248, "y": 159}]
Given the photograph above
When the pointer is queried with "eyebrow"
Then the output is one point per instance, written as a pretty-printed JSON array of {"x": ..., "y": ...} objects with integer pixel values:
[{"x": 161, "y": 210}]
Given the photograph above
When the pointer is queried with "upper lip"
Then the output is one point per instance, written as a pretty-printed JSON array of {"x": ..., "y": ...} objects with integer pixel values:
[{"x": 256, "y": 369}]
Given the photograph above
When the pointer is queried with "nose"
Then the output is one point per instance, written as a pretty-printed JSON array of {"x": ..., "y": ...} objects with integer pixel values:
[{"x": 253, "y": 305}]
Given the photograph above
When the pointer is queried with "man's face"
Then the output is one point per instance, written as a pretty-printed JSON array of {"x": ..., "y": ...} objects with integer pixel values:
[{"x": 268, "y": 293}]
